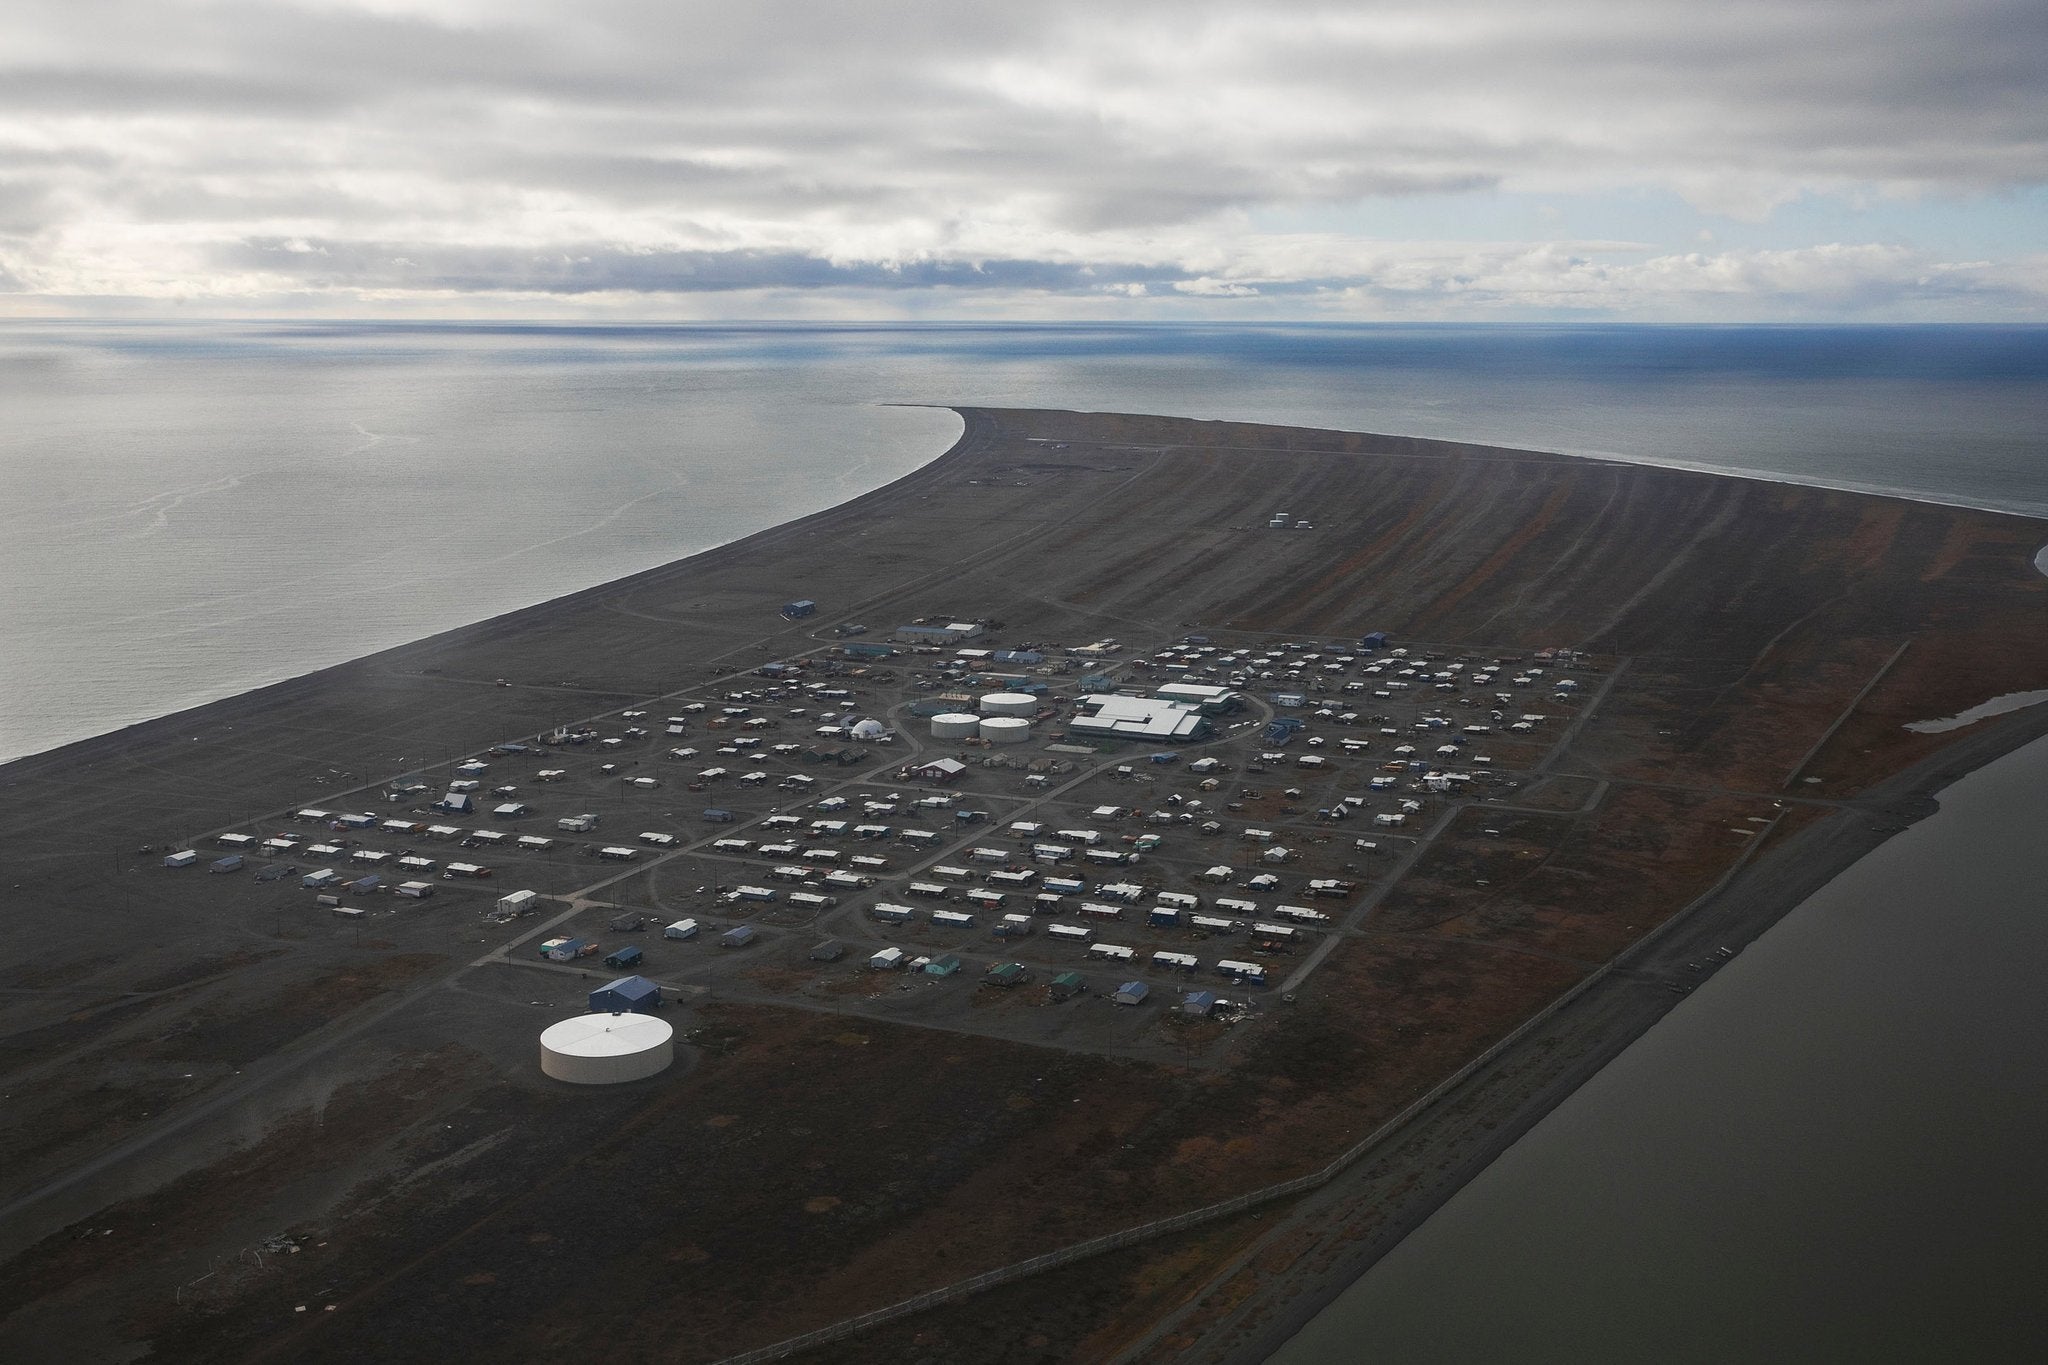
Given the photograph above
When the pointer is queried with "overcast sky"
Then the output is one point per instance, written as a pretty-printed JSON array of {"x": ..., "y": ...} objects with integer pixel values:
[{"x": 1464, "y": 159}]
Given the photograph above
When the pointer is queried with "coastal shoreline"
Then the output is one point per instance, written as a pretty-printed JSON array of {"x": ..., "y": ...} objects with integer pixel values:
[
  {"x": 1430, "y": 1154},
  {"x": 1465, "y": 1130},
  {"x": 504, "y": 623}
]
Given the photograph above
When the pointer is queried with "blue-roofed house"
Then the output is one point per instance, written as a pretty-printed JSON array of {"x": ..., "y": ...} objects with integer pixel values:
[{"x": 627, "y": 995}]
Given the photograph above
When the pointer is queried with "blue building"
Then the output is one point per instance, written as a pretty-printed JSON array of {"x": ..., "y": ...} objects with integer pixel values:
[{"x": 627, "y": 995}]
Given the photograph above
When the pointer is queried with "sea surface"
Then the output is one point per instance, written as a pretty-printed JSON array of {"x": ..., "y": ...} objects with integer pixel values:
[
  {"x": 1832, "y": 1151},
  {"x": 191, "y": 510}
]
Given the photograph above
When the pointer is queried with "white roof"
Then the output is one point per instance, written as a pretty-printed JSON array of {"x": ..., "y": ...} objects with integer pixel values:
[
  {"x": 1137, "y": 717},
  {"x": 606, "y": 1035},
  {"x": 1194, "y": 692}
]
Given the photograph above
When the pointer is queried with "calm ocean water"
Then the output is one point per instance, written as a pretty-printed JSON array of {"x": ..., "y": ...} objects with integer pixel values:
[
  {"x": 187, "y": 511},
  {"x": 1831, "y": 1151}
]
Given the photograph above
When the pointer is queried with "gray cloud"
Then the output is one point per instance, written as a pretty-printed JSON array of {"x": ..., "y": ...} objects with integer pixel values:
[
  {"x": 596, "y": 268},
  {"x": 649, "y": 146}
]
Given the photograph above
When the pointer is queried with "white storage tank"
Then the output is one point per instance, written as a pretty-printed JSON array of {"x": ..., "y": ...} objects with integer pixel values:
[
  {"x": 1008, "y": 704},
  {"x": 606, "y": 1049},
  {"x": 1005, "y": 729},
  {"x": 955, "y": 725}
]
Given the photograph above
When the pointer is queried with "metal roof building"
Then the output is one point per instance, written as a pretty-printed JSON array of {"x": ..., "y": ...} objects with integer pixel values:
[
  {"x": 627, "y": 995},
  {"x": 1120, "y": 717}
]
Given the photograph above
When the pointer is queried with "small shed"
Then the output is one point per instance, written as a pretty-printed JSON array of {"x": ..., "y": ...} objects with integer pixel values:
[{"x": 1130, "y": 993}]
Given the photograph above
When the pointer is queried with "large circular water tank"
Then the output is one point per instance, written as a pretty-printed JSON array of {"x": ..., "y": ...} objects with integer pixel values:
[
  {"x": 955, "y": 725},
  {"x": 1008, "y": 704},
  {"x": 605, "y": 1049},
  {"x": 1005, "y": 729},
  {"x": 870, "y": 729}
]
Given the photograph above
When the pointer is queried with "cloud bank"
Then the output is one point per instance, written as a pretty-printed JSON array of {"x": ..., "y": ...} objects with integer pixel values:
[{"x": 1188, "y": 159}]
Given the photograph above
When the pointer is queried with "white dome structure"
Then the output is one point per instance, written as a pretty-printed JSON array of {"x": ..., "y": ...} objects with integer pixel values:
[
  {"x": 1005, "y": 729},
  {"x": 1008, "y": 704},
  {"x": 870, "y": 729},
  {"x": 607, "y": 1049},
  {"x": 956, "y": 725}
]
